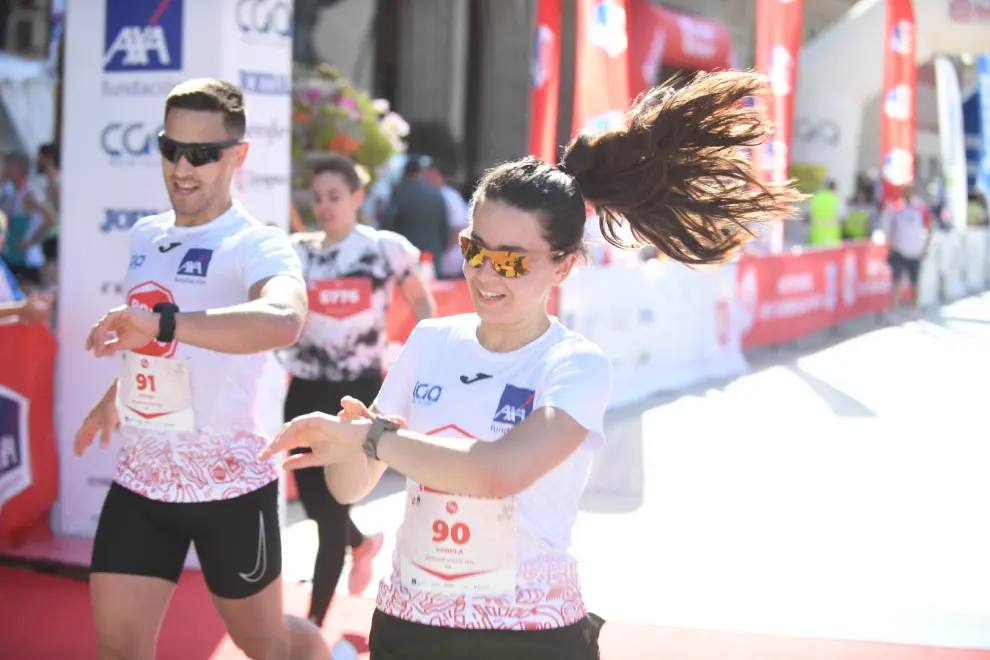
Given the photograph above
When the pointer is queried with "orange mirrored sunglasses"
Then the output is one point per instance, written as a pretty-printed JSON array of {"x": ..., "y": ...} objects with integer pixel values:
[{"x": 507, "y": 263}]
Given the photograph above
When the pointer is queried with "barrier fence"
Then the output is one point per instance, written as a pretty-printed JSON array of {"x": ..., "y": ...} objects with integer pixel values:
[{"x": 663, "y": 325}]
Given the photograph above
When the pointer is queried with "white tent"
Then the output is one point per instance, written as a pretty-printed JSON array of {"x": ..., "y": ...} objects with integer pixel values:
[{"x": 27, "y": 92}]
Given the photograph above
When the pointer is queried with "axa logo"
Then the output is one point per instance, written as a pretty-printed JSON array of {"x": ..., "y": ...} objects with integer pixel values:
[
  {"x": 515, "y": 404},
  {"x": 195, "y": 263},
  {"x": 898, "y": 103},
  {"x": 902, "y": 38},
  {"x": 142, "y": 35},
  {"x": 425, "y": 393},
  {"x": 122, "y": 219}
]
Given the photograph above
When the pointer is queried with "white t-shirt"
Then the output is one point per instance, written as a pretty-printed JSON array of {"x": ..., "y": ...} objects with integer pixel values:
[
  {"x": 350, "y": 285},
  {"x": 906, "y": 227},
  {"x": 445, "y": 383},
  {"x": 198, "y": 268}
]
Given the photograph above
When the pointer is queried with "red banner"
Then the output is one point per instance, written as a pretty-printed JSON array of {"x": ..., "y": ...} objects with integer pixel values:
[
  {"x": 28, "y": 456},
  {"x": 545, "y": 72},
  {"x": 778, "y": 42},
  {"x": 601, "y": 77},
  {"x": 900, "y": 85},
  {"x": 785, "y": 297},
  {"x": 659, "y": 36}
]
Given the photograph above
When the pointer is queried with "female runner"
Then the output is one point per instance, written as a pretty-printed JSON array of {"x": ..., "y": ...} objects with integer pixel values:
[
  {"x": 350, "y": 270},
  {"x": 505, "y": 406}
]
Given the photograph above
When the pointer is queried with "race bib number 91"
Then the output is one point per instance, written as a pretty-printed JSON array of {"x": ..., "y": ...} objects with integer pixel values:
[{"x": 154, "y": 393}]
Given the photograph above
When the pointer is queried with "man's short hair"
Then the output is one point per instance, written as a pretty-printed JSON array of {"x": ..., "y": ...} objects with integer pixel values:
[{"x": 212, "y": 95}]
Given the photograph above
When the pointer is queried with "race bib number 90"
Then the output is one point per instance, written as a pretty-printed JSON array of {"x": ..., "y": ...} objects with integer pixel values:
[{"x": 454, "y": 544}]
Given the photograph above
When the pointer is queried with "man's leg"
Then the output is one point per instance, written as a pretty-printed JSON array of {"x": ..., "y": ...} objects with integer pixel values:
[
  {"x": 913, "y": 268},
  {"x": 136, "y": 563},
  {"x": 240, "y": 551}
]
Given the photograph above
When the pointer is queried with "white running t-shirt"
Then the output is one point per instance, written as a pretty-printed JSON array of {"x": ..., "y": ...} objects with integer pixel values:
[
  {"x": 444, "y": 383},
  {"x": 350, "y": 286},
  {"x": 197, "y": 268}
]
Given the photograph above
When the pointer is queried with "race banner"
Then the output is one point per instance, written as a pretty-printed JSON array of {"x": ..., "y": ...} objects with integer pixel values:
[
  {"x": 778, "y": 42},
  {"x": 900, "y": 84},
  {"x": 951, "y": 135},
  {"x": 601, "y": 77},
  {"x": 545, "y": 73},
  {"x": 785, "y": 297}
]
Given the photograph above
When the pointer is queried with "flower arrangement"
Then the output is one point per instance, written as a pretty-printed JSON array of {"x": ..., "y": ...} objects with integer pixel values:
[{"x": 330, "y": 114}]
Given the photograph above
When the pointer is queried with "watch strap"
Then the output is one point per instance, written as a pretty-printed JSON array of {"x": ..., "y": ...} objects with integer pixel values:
[
  {"x": 379, "y": 425},
  {"x": 166, "y": 321}
]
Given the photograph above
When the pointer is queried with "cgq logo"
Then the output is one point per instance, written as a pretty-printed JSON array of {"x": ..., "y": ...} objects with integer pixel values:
[
  {"x": 265, "y": 20},
  {"x": 130, "y": 142}
]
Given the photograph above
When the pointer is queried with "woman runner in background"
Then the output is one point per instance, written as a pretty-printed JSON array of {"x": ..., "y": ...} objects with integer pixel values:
[
  {"x": 350, "y": 272},
  {"x": 505, "y": 407}
]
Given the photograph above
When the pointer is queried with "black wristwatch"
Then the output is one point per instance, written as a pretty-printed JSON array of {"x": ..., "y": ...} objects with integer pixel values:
[
  {"x": 166, "y": 321},
  {"x": 379, "y": 425}
]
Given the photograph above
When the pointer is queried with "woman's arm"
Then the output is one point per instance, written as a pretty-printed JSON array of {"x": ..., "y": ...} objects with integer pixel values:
[
  {"x": 502, "y": 468},
  {"x": 353, "y": 479}
]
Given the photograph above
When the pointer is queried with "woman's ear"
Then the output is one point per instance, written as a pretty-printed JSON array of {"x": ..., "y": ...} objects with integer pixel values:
[{"x": 563, "y": 268}]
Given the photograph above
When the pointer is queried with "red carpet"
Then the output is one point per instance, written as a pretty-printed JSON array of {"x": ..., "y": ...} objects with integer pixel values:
[{"x": 46, "y": 617}]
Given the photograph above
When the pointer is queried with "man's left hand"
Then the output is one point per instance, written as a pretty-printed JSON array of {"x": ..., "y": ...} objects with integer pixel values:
[{"x": 122, "y": 329}]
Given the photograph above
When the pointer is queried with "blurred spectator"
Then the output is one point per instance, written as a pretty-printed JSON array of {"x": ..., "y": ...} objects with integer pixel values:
[
  {"x": 906, "y": 224},
  {"x": 825, "y": 216},
  {"x": 976, "y": 210},
  {"x": 14, "y": 306},
  {"x": 860, "y": 217},
  {"x": 457, "y": 221},
  {"x": 29, "y": 219},
  {"x": 49, "y": 166},
  {"x": 418, "y": 211}
]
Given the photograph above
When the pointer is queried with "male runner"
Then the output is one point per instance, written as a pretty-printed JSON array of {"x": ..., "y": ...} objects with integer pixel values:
[{"x": 210, "y": 290}]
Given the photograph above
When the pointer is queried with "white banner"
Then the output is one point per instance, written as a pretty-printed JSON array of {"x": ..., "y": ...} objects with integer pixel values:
[
  {"x": 122, "y": 59},
  {"x": 951, "y": 140},
  {"x": 664, "y": 326}
]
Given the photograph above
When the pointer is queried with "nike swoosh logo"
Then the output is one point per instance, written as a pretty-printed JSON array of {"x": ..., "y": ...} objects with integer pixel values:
[
  {"x": 165, "y": 248},
  {"x": 467, "y": 380},
  {"x": 261, "y": 563}
]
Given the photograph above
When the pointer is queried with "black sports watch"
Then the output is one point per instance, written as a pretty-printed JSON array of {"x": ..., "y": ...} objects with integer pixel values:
[
  {"x": 166, "y": 321},
  {"x": 379, "y": 425}
]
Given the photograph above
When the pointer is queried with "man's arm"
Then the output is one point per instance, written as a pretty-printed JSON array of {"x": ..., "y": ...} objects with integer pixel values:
[
  {"x": 273, "y": 318},
  {"x": 48, "y": 215},
  {"x": 420, "y": 299}
]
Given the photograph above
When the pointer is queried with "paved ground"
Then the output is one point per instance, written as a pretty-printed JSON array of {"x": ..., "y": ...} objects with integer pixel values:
[{"x": 838, "y": 490}]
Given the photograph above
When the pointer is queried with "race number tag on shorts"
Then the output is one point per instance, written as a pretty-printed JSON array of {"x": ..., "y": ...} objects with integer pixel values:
[
  {"x": 154, "y": 393},
  {"x": 339, "y": 298},
  {"x": 452, "y": 544}
]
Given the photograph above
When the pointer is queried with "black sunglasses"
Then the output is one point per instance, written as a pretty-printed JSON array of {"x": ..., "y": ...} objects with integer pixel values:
[{"x": 198, "y": 154}]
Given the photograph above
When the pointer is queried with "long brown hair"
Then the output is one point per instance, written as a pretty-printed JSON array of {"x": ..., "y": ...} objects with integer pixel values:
[{"x": 677, "y": 173}]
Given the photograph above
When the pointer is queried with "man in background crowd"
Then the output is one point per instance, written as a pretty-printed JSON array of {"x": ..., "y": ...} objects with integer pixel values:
[
  {"x": 907, "y": 226},
  {"x": 14, "y": 305},
  {"x": 29, "y": 219},
  {"x": 457, "y": 221},
  {"x": 418, "y": 211},
  {"x": 825, "y": 216},
  {"x": 49, "y": 167},
  {"x": 860, "y": 217}
]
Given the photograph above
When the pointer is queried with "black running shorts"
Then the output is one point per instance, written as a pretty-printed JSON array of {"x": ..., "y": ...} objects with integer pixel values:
[{"x": 238, "y": 541}]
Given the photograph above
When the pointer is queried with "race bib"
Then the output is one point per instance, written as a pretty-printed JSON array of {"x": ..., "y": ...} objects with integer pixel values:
[
  {"x": 154, "y": 393},
  {"x": 454, "y": 544},
  {"x": 339, "y": 298}
]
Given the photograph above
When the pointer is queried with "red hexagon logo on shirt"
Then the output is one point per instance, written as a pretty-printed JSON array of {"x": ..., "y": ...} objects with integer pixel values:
[{"x": 145, "y": 296}]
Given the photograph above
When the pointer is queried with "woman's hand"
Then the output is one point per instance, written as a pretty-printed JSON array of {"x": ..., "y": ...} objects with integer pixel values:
[
  {"x": 331, "y": 439},
  {"x": 354, "y": 410}
]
